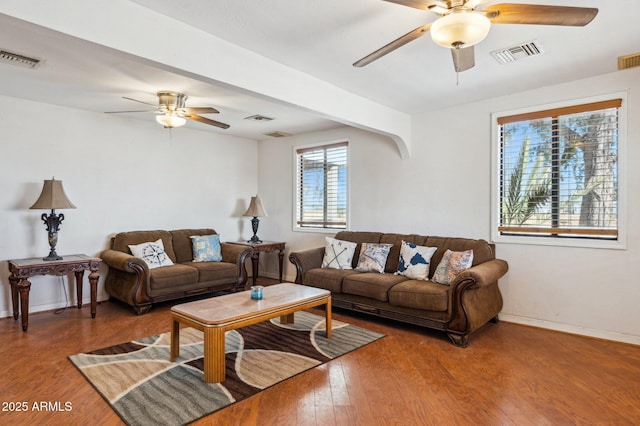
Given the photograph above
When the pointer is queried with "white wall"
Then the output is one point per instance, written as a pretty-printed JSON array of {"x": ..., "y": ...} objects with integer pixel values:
[
  {"x": 444, "y": 189},
  {"x": 122, "y": 174}
]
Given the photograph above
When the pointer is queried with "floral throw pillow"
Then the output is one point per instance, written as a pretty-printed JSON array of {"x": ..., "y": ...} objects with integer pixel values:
[
  {"x": 338, "y": 254},
  {"x": 152, "y": 253},
  {"x": 373, "y": 257},
  {"x": 414, "y": 261},
  {"x": 206, "y": 248},
  {"x": 452, "y": 263}
]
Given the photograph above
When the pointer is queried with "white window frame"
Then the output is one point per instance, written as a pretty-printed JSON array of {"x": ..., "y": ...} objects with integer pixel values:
[
  {"x": 295, "y": 226},
  {"x": 621, "y": 242}
]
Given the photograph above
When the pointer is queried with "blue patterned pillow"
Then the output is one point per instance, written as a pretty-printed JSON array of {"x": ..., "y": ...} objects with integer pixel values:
[
  {"x": 414, "y": 261},
  {"x": 206, "y": 248},
  {"x": 452, "y": 263},
  {"x": 373, "y": 257}
]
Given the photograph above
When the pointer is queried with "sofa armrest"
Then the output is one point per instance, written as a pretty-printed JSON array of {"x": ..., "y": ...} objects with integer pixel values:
[
  {"x": 238, "y": 254},
  {"x": 482, "y": 274},
  {"x": 305, "y": 260},
  {"x": 123, "y": 261}
]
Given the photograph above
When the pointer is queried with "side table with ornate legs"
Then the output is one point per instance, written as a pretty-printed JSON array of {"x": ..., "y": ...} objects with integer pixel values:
[
  {"x": 22, "y": 269},
  {"x": 266, "y": 247}
]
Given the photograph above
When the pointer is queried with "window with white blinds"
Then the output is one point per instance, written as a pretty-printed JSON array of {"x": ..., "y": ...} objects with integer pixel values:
[
  {"x": 321, "y": 187},
  {"x": 558, "y": 172}
]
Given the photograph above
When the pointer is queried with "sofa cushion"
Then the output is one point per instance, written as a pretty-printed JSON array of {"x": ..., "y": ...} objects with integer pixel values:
[
  {"x": 172, "y": 276},
  {"x": 182, "y": 244},
  {"x": 152, "y": 253},
  {"x": 370, "y": 284},
  {"x": 420, "y": 295},
  {"x": 217, "y": 272},
  {"x": 414, "y": 261},
  {"x": 123, "y": 240},
  {"x": 328, "y": 279},
  {"x": 338, "y": 254},
  {"x": 452, "y": 263},
  {"x": 206, "y": 248},
  {"x": 373, "y": 257}
]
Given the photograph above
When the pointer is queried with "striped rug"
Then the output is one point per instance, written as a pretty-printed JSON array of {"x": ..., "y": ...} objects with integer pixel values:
[{"x": 144, "y": 388}]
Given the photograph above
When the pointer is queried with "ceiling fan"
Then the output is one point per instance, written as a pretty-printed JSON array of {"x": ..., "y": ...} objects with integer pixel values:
[
  {"x": 461, "y": 25},
  {"x": 172, "y": 112}
]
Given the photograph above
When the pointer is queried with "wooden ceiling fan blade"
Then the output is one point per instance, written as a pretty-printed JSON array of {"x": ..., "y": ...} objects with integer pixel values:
[
  {"x": 200, "y": 110},
  {"x": 399, "y": 42},
  {"x": 123, "y": 112},
  {"x": 135, "y": 100},
  {"x": 208, "y": 121},
  {"x": 510, "y": 13},
  {"x": 463, "y": 58}
]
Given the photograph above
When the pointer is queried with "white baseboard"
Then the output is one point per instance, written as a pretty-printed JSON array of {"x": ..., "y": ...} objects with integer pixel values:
[{"x": 565, "y": 328}]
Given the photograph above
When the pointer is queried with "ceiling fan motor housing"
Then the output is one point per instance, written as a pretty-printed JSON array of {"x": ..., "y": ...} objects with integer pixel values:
[{"x": 171, "y": 101}]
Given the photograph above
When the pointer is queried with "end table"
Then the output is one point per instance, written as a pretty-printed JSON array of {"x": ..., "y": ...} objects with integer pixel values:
[
  {"x": 267, "y": 247},
  {"x": 22, "y": 269}
]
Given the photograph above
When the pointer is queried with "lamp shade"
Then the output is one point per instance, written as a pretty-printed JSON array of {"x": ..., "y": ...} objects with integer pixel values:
[
  {"x": 464, "y": 28},
  {"x": 53, "y": 197},
  {"x": 256, "y": 209}
]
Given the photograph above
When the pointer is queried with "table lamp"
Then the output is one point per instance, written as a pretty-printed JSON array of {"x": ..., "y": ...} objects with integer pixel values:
[
  {"x": 53, "y": 197},
  {"x": 256, "y": 209}
]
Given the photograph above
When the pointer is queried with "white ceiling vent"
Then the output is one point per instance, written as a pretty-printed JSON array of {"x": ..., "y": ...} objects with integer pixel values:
[
  {"x": 278, "y": 134},
  {"x": 19, "y": 60},
  {"x": 524, "y": 50},
  {"x": 258, "y": 117}
]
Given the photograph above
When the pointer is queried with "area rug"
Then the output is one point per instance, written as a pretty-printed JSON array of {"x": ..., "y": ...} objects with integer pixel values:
[{"x": 144, "y": 388}]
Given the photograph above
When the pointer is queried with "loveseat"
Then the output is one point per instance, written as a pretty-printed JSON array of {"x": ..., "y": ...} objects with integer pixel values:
[
  {"x": 469, "y": 300},
  {"x": 131, "y": 280}
]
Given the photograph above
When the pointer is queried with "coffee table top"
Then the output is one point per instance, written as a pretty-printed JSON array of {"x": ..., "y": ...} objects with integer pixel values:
[{"x": 238, "y": 306}]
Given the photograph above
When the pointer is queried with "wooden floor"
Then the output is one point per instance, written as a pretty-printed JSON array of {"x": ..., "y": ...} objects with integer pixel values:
[{"x": 509, "y": 375}]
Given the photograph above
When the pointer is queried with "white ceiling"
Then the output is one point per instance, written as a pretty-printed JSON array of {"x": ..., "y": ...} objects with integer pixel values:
[{"x": 321, "y": 39}]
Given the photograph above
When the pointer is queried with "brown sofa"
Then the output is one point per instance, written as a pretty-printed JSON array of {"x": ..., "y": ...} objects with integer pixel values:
[
  {"x": 472, "y": 299},
  {"x": 130, "y": 280}
]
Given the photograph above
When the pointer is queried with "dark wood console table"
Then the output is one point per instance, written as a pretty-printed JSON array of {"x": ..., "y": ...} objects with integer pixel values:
[
  {"x": 267, "y": 247},
  {"x": 22, "y": 269}
]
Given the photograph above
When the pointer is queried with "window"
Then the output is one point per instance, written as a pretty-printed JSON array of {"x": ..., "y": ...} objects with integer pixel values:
[
  {"x": 321, "y": 187},
  {"x": 558, "y": 173}
]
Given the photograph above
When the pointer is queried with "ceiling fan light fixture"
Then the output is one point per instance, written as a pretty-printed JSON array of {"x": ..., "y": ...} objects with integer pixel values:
[
  {"x": 170, "y": 120},
  {"x": 460, "y": 29}
]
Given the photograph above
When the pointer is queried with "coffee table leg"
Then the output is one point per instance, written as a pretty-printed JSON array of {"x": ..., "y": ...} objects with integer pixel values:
[
  {"x": 328, "y": 318},
  {"x": 287, "y": 319},
  {"x": 214, "y": 357},
  {"x": 175, "y": 340}
]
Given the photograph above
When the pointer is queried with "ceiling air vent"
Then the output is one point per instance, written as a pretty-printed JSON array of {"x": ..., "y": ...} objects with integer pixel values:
[
  {"x": 511, "y": 54},
  {"x": 258, "y": 117},
  {"x": 19, "y": 60},
  {"x": 278, "y": 134},
  {"x": 629, "y": 61}
]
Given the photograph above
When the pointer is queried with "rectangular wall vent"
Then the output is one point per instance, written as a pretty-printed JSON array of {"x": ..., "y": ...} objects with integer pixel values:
[
  {"x": 278, "y": 134},
  {"x": 629, "y": 61},
  {"x": 258, "y": 117},
  {"x": 19, "y": 60},
  {"x": 524, "y": 50}
]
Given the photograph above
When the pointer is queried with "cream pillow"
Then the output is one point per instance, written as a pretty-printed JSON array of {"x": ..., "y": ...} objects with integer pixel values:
[
  {"x": 338, "y": 254},
  {"x": 452, "y": 263},
  {"x": 152, "y": 253}
]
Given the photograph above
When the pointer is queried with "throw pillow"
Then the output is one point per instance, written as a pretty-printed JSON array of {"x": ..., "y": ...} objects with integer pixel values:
[
  {"x": 206, "y": 248},
  {"x": 338, "y": 254},
  {"x": 452, "y": 263},
  {"x": 414, "y": 261},
  {"x": 152, "y": 253},
  {"x": 373, "y": 257}
]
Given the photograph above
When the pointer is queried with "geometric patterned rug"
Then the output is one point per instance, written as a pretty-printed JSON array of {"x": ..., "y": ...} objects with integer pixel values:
[{"x": 144, "y": 388}]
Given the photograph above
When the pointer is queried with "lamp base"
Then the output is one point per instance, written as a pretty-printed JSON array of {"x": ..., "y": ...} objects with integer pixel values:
[
  {"x": 53, "y": 240},
  {"x": 254, "y": 240},
  {"x": 50, "y": 258},
  {"x": 254, "y": 225}
]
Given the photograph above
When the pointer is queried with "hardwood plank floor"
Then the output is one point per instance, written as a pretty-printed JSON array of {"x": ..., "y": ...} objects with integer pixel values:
[{"x": 509, "y": 375}]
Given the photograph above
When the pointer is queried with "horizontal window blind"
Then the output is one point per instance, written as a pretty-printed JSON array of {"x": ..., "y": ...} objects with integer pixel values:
[
  {"x": 559, "y": 172},
  {"x": 322, "y": 186}
]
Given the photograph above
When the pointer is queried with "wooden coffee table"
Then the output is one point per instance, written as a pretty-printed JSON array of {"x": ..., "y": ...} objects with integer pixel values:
[{"x": 217, "y": 315}]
